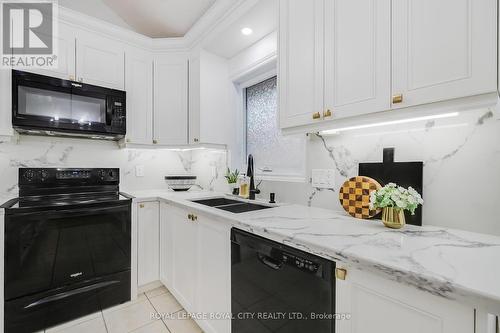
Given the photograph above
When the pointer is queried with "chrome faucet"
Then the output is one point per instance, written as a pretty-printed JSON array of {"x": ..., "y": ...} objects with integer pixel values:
[{"x": 250, "y": 173}]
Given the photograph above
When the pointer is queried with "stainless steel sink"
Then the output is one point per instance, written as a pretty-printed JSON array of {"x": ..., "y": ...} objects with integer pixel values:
[
  {"x": 229, "y": 205},
  {"x": 214, "y": 202}
]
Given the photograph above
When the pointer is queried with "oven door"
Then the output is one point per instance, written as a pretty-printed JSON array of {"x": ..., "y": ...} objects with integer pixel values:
[
  {"x": 49, "y": 104},
  {"x": 50, "y": 249}
]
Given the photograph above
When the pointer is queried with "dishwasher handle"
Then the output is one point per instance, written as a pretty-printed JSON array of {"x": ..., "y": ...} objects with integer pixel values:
[{"x": 270, "y": 262}]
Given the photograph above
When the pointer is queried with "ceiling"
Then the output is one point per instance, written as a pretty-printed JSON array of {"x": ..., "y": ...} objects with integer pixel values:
[
  {"x": 153, "y": 18},
  {"x": 261, "y": 18}
]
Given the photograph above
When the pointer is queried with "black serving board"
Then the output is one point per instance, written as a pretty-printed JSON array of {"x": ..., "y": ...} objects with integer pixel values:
[{"x": 402, "y": 173}]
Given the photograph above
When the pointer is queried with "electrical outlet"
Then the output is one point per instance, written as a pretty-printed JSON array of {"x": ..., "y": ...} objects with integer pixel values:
[
  {"x": 323, "y": 178},
  {"x": 139, "y": 170}
]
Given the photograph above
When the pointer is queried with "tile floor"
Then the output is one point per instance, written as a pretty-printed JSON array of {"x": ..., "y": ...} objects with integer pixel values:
[{"x": 137, "y": 316}]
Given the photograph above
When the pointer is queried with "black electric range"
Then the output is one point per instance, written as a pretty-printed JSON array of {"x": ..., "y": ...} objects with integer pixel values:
[{"x": 67, "y": 246}]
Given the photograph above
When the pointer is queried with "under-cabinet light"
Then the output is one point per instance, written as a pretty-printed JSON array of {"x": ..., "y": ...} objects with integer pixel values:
[{"x": 393, "y": 122}]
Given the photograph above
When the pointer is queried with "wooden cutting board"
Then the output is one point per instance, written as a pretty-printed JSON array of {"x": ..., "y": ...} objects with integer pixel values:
[{"x": 354, "y": 196}]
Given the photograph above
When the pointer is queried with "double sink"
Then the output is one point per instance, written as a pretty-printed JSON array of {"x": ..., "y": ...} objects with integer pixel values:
[{"x": 229, "y": 205}]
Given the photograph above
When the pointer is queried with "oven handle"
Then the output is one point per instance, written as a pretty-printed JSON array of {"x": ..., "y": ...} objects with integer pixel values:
[
  {"x": 109, "y": 111},
  {"x": 269, "y": 262},
  {"x": 70, "y": 293},
  {"x": 80, "y": 212}
]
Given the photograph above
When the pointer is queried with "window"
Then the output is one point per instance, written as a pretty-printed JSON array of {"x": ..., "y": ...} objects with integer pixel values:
[{"x": 275, "y": 156}]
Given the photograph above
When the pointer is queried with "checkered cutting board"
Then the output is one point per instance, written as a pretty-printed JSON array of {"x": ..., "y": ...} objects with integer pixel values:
[{"x": 354, "y": 196}]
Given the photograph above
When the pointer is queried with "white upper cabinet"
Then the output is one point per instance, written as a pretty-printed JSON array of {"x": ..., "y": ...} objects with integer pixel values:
[
  {"x": 337, "y": 58},
  {"x": 99, "y": 61},
  {"x": 357, "y": 57},
  {"x": 171, "y": 99},
  {"x": 65, "y": 55},
  {"x": 139, "y": 88},
  {"x": 443, "y": 49},
  {"x": 209, "y": 105},
  {"x": 300, "y": 61}
]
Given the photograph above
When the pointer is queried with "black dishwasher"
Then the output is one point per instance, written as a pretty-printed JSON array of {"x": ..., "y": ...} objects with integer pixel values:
[{"x": 276, "y": 288}]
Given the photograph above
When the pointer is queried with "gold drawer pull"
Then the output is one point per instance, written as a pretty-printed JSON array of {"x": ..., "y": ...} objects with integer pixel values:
[
  {"x": 327, "y": 113},
  {"x": 340, "y": 273},
  {"x": 195, "y": 218},
  {"x": 155, "y": 141},
  {"x": 190, "y": 217},
  {"x": 141, "y": 206},
  {"x": 396, "y": 99},
  {"x": 316, "y": 115}
]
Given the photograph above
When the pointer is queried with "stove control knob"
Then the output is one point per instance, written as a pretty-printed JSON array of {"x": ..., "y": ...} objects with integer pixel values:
[
  {"x": 44, "y": 175},
  {"x": 29, "y": 175},
  {"x": 101, "y": 173}
]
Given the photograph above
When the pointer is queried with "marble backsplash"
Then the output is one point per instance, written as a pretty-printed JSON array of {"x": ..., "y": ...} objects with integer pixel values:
[
  {"x": 33, "y": 151},
  {"x": 461, "y": 158}
]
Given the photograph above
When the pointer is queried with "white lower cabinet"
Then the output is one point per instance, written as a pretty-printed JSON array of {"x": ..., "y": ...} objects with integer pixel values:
[
  {"x": 214, "y": 272},
  {"x": 183, "y": 249},
  {"x": 379, "y": 305},
  {"x": 195, "y": 265},
  {"x": 148, "y": 242}
]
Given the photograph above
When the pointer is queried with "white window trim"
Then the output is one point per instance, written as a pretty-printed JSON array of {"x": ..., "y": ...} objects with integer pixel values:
[{"x": 241, "y": 92}]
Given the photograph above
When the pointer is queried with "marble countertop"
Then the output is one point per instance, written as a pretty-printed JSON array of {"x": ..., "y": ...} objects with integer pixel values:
[{"x": 453, "y": 264}]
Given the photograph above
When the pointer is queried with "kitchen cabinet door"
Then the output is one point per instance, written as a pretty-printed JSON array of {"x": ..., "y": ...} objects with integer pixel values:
[
  {"x": 99, "y": 61},
  {"x": 171, "y": 100},
  {"x": 184, "y": 273},
  {"x": 139, "y": 88},
  {"x": 369, "y": 299},
  {"x": 357, "y": 57},
  {"x": 65, "y": 55},
  {"x": 214, "y": 273},
  {"x": 148, "y": 242},
  {"x": 209, "y": 105},
  {"x": 443, "y": 49},
  {"x": 301, "y": 62},
  {"x": 166, "y": 246}
]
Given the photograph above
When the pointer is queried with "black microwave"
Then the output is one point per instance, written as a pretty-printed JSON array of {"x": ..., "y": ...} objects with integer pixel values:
[{"x": 51, "y": 106}]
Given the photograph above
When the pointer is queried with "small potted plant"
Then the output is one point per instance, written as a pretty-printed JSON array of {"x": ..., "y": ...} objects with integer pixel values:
[
  {"x": 394, "y": 200},
  {"x": 232, "y": 180}
]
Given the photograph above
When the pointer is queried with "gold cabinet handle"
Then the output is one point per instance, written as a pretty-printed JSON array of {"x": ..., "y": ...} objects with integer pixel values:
[
  {"x": 327, "y": 113},
  {"x": 141, "y": 205},
  {"x": 196, "y": 140},
  {"x": 316, "y": 115},
  {"x": 155, "y": 141},
  {"x": 190, "y": 217},
  {"x": 396, "y": 99},
  {"x": 340, "y": 273},
  {"x": 195, "y": 218}
]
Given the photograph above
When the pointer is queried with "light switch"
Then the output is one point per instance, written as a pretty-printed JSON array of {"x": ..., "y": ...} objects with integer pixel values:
[
  {"x": 323, "y": 178},
  {"x": 139, "y": 170}
]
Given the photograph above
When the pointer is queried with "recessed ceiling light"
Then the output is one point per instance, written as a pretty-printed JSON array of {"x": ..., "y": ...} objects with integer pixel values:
[{"x": 246, "y": 31}]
